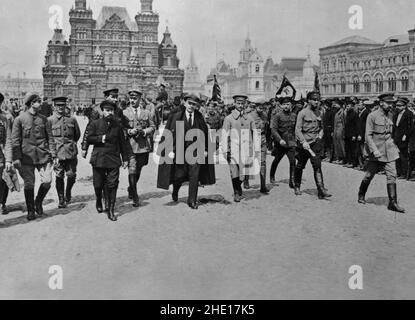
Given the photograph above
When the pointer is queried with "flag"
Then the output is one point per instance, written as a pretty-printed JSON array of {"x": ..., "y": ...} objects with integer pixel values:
[
  {"x": 216, "y": 92},
  {"x": 316, "y": 83},
  {"x": 286, "y": 89}
]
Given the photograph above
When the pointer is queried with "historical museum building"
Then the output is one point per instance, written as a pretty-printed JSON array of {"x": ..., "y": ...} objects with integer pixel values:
[
  {"x": 112, "y": 51},
  {"x": 362, "y": 67}
]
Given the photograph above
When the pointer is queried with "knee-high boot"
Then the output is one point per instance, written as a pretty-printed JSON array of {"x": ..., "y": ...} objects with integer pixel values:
[
  {"x": 362, "y": 191},
  {"x": 132, "y": 180},
  {"x": 60, "y": 187},
  {"x": 393, "y": 198},
  {"x": 112, "y": 196},
  {"x": 41, "y": 194},
  {"x": 29, "y": 195},
  {"x": 68, "y": 192},
  {"x": 98, "y": 204},
  {"x": 291, "y": 183},
  {"x": 298, "y": 175},
  {"x": 318, "y": 177}
]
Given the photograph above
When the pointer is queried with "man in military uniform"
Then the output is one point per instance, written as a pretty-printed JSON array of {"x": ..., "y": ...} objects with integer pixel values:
[
  {"x": 107, "y": 136},
  {"x": 139, "y": 136},
  {"x": 5, "y": 154},
  {"x": 66, "y": 132},
  {"x": 382, "y": 151},
  {"x": 283, "y": 132},
  {"x": 233, "y": 126},
  {"x": 260, "y": 117},
  {"x": 33, "y": 147},
  {"x": 309, "y": 134}
]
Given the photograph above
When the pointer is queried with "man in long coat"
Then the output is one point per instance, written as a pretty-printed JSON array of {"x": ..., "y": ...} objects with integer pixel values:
[{"x": 175, "y": 167}]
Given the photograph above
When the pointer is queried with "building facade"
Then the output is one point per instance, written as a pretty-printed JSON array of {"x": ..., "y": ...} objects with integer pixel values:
[
  {"x": 260, "y": 79},
  {"x": 112, "y": 51},
  {"x": 18, "y": 87},
  {"x": 358, "y": 66},
  {"x": 192, "y": 81}
]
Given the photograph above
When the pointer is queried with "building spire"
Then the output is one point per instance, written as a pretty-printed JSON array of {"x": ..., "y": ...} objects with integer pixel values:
[
  {"x": 80, "y": 4},
  {"x": 192, "y": 58},
  {"x": 146, "y": 6}
]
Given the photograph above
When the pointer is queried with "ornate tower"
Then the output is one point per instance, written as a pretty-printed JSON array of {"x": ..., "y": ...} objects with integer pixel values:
[
  {"x": 80, "y": 4},
  {"x": 148, "y": 23},
  {"x": 168, "y": 52}
]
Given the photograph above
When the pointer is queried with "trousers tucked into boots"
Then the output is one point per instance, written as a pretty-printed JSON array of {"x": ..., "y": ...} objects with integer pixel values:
[
  {"x": 60, "y": 188},
  {"x": 29, "y": 195},
  {"x": 68, "y": 192},
  {"x": 41, "y": 194},
  {"x": 318, "y": 178},
  {"x": 393, "y": 198}
]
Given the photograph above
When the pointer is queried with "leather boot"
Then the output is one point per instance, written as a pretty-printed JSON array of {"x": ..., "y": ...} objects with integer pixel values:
[
  {"x": 30, "y": 204},
  {"x": 264, "y": 188},
  {"x": 246, "y": 183},
  {"x": 132, "y": 180},
  {"x": 291, "y": 183},
  {"x": 98, "y": 204},
  {"x": 41, "y": 194},
  {"x": 236, "y": 184},
  {"x": 112, "y": 195},
  {"x": 362, "y": 191},
  {"x": 175, "y": 194},
  {"x": 60, "y": 187},
  {"x": 298, "y": 175},
  {"x": 69, "y": 186},
  {"x": 318, "y": 178},
  {"x": 3, "y": 193},
  {"x": 393, "y": 199},
  {"x": 105, "y": 193},
  {"x": 130, "y": 194}
]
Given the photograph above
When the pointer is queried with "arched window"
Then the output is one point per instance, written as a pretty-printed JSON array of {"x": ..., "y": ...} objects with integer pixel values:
[
  {"x": 115, "y": 57},
  {"x": 81, "y": 57},
  {"x": 343, "y": 85},
  {"x": 107, "y": 57},
  {"x": 367, "y": 84},
  {"x": 58, "y": 58},
  {"x": 379, "y": 83},
  {"x": 124, "y": 57},
  {"x": 404, "y": 82},
  {"x": 149, "y": 59},
  {"x": 356, "y": 85},
  {"x": 257, "y": 68},
  {"x": 391, "y": 82}
]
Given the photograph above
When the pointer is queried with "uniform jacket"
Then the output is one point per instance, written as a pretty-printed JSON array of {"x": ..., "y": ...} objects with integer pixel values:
[
  {"x": 379, "y": 137},
  {"x": 283, "y": 127},
  {"x": 362, "y": 123},
  {"x": 403, "y": 129},
  {"x": 309, "y": 125},
  {"x": 166, "y": 171},
  {"x": 66, "y": 132},
  {"x": 143, "y": 120},
  {"x": 107, "y": 155},
  {"x": 5, "y": 140},
  {"x": 236, "y": 121},
  {"x": 32, "y": 140}
]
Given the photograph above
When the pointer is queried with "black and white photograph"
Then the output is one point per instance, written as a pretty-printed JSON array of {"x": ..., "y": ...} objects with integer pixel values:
[{"x": 200, "y": 150}]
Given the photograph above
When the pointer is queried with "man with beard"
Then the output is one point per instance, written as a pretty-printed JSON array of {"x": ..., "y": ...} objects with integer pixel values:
[
  {"x": 187, "y": 164},
  {"x": 309, "y": 134},
  {"x": 33, "y": 147},
  {"x": 139, "y": 136},
  {"x": 107, "y": 136},
  {"x": 283, "y": 131},
  {"x": 66, "y": 133},
  {"x": 401, "y": 132},
  {"x": 381, "y": 151}
]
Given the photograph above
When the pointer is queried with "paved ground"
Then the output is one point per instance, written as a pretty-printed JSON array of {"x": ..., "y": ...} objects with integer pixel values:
[{"x": 267, "y": 247}]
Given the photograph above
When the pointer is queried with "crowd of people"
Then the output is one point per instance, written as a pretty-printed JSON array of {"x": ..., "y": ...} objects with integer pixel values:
[{"x": 371, "y": 135}]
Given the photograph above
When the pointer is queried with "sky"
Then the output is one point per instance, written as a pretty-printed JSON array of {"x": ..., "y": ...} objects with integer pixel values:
[{"x": 213, "y": 28}]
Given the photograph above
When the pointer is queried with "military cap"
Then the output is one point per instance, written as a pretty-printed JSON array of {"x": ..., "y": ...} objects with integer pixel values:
[
  {"x": 1, "y": 98},
  {"x": 313, "y": 95},
  {"x": 286, "y": 100},
  {"x": 241, "y": 96},
  {"x": 58, "y": 100},
  {"x": 191, "y": 97},
  {"x": 135, "y": 91},
  {"x": 387, "y": 97},
  {"x": 111, "y": 91},
  {"x": 369, "y": 102},
  {"x": 402, "y": 100},
  {"x": 107, "y": 103},
  {"x": 30, "y": 98}
]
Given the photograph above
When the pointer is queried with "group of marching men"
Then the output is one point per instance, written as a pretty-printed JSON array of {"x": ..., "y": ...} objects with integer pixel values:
[{"x": 124, "y": 138}]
